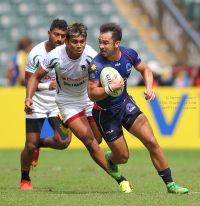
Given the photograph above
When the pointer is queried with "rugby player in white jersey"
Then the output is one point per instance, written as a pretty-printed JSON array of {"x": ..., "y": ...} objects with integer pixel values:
[
  {"x": 44, "y": 104},
  {"x": 71, "y": 62}
]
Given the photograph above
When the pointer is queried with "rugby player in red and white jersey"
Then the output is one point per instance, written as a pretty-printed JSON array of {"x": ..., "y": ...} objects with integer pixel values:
[
  {"x": 44, "y": 105},
  {"x": 71, "y": 62}
]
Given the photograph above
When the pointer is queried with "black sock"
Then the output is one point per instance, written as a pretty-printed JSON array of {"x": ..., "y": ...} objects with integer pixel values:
[
  {"x": 25, "y": 175},
  {"x": 121, "y": 179},
  {"x": 109, "y": 160},
  {"x": 41, "y": 143},
  {"x": 166, "y": 175}
]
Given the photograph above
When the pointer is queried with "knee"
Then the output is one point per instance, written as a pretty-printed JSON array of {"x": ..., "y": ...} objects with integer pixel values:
[
  {"x": 63, "y": 144},
  {"x": 152, "y": 144},
  {"x": 124, "y": 158},
  {"x": 31, "y": 146},
  {"x": 88, "y": 142}
]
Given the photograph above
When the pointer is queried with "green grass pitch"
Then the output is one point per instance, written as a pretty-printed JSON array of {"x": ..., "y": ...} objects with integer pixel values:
[{"x": 70, "y": 177}]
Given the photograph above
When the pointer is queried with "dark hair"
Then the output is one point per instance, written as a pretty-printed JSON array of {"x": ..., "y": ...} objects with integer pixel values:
[
  {"x": 23, "y": 43},
  {"x": 76, "y": 29},
  {"x": 114, "y": 28},
  {"x": 59, "y": 24}
]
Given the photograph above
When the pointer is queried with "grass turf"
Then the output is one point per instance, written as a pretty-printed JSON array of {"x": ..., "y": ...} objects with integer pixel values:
[{"x": 71, "y": 177}]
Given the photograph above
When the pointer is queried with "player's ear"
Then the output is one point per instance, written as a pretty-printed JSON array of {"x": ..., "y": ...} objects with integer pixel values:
[
  {"x": 117, "y": 44},
  {"x": 49, "y": 32}
]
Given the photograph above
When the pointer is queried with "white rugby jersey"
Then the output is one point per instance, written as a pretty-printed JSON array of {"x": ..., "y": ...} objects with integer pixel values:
[
  {"x": 33, "y": 62},
  {"x": 71, "y": 75}
]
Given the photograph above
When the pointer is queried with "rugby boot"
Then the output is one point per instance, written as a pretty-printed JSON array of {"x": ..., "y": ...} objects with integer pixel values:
[
  {"x": 35, "y": 157},
  {"x": 26, "y": 185},
  {"x": 126, "y": 187},
  {"x": 63, "y": 127},
  {"x": 175, "y": 189}
]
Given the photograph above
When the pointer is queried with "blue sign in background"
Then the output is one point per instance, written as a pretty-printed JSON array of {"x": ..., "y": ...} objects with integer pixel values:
[
  {"x": 47, "y": 130},
  {"x": 167, "y": 128}
]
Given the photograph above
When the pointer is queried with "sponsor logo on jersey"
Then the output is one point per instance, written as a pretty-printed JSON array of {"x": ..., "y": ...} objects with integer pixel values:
[
  {"x": 109, "y": 132},
  {"x": 93, "y": 67},
  {"x": 117, "y": 64},
  {"x": 70, "y": 79},
  {"x": 130, "y": 107},
  {"x": 74, "y": 84},
  {"x": 128, "y": 67},
  {"x": 92, "y": 76},
  {"x": 62, "y": 69},
  {"x": 47, "y": 77}
]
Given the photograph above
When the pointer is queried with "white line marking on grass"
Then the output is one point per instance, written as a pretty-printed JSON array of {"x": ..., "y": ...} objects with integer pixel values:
[
  {"x": 193, "y": 193},
  {"x": 159, "y": 193}
]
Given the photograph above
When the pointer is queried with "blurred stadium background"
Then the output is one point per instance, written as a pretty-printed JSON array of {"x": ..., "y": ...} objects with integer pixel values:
[{"x": 161, "y": 31}]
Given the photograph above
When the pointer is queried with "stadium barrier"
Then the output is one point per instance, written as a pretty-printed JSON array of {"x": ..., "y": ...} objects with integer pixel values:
[
  {"x": 173, "y": 26},
  {"x": 174, "y": 116}
]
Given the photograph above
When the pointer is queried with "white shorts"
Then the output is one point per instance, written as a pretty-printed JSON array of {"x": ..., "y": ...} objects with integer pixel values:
[
  {"x": 69, "y": 106},
  {"x": 43, "y": 110}
]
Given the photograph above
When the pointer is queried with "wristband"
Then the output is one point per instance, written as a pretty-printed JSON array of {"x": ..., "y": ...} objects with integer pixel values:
[
  {"x": 108, "y": 89},
  {"x": 43, "y": 86}
]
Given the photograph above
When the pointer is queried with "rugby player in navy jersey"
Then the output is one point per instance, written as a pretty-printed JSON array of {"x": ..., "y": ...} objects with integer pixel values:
[{"x": 111, "y": 113}]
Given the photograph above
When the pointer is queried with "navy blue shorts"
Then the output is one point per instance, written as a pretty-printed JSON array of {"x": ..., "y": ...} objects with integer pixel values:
[{"x": 110, "y": 122}]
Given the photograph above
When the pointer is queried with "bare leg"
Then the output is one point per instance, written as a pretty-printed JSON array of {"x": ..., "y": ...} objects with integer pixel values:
[
  {"x": 120, "y": 153},
  {"x": 85, "y": 134},
  {"x": 32, "y": 140},
  {"x": 143, "y": 131},
  {"x": 56, "y": 142},
  {"x": 96, "y": 132}
]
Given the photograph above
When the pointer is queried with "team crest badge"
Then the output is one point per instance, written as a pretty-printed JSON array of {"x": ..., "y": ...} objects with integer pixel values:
[
  {"x": 128, "y": 67},
  {"x": 93, "y": 67},
  {"x": 130, "y": 107}
]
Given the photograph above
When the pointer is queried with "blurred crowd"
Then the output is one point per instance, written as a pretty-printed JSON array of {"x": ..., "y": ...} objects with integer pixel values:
[
  {"x": 15, "y": 71},
  {"x": 177, "y": 75}
]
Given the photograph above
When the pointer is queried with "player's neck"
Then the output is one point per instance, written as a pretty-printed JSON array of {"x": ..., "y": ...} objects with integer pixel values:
[
  {"x": 48, "y": 46},
  {"x": 116, "y": 56}
]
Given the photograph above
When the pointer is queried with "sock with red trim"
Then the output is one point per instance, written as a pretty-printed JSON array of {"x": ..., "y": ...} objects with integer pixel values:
[
  {"x": 25, "y": 175},
  {"x": 41, "y": 143}
]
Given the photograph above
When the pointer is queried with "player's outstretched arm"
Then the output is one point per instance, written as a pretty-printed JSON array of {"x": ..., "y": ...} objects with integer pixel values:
[{"x": 148, "y": 79}]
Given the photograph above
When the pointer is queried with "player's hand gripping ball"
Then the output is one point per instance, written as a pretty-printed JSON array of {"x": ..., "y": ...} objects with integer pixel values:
[{"x": 106, "y": 76}]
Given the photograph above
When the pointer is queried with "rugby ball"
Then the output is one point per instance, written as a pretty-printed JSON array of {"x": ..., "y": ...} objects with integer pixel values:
[{"x": 106, "y": 76}]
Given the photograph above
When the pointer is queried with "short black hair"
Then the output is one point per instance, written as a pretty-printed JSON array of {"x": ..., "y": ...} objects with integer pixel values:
[
  {"x": 59, "y": 24},
  {"x": 114, "y": 28}
]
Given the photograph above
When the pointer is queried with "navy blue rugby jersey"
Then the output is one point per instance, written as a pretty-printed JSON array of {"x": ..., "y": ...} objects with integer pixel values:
[{"x": 129, "y": 58}]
